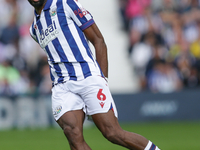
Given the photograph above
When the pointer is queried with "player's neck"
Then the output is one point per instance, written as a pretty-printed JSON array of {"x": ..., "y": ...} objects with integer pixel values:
[{"x": 39, "y": 9}]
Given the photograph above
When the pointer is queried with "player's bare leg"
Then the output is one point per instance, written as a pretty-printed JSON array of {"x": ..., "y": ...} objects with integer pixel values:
[
  {"x": 110, "y": 128},
  {"x": 72, "y": 125}
]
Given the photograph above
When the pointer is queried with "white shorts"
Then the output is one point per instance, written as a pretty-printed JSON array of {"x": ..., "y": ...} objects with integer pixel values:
[{"x": 91, "y": 94}]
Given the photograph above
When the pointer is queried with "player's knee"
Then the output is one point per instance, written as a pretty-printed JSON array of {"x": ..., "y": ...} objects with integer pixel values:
[
  {"x": 72, "y": 132},
  {"x": 112, "y": 135}
]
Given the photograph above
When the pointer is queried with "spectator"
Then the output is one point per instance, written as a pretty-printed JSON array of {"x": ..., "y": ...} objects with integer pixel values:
[
  {"x": 122, "y": 8},
  {"x": 17, "y": 49},
  {"x": 176, "y": 31},
  {"x": 164, "y": 78},
  {"x": 8, "y": 8},
  {"x": 10, "y": 80},
  {"x": 10, "y": 33},
  {"x": 185, "y": 62},
  {"x": 141, "y": 54}
]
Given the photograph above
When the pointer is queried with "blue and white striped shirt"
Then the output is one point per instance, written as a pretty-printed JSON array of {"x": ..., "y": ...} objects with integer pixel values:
[{"x": 59, "y": 31}]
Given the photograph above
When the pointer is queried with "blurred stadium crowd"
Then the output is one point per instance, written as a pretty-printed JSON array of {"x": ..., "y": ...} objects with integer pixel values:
[
  {"x": 23, "y": 65},
  {"x": 164, "y": 37}
]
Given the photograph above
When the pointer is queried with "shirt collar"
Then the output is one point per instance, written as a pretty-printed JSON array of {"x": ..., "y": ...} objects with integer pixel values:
[
  {"x": 47, "y": 5},
  {"x": 36, "y": 14}
]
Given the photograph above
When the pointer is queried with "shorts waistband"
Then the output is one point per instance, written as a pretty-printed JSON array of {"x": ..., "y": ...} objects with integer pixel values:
[{"x": 53, "y": 84}]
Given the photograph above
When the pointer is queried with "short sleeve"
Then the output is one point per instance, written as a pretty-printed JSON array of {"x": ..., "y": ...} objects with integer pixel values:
[{"x": 79, "y": 14}]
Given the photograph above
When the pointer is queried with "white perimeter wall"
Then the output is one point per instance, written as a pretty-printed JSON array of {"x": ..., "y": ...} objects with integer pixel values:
[{"x": 106, "y": 16}]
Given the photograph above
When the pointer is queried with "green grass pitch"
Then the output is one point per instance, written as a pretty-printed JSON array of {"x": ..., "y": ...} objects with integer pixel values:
[{"x": 168, "y": 136}]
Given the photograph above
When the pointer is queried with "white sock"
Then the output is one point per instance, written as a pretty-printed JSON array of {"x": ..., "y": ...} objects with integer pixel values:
[{"x": 151, "y": 146}]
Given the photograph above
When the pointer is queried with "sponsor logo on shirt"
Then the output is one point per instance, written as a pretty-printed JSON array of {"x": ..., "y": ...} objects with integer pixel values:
[
  {"x": 47, "y": 35},
  {"x": 81, "y": 12}
]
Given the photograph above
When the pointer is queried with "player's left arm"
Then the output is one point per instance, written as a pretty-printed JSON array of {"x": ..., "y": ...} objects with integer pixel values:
[
  {"x": 94, "y": 35},
  {"x": 86, "y": 23}
]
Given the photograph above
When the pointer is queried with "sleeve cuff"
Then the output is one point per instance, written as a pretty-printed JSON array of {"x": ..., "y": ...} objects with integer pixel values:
[{"x": 87, "y": 24}]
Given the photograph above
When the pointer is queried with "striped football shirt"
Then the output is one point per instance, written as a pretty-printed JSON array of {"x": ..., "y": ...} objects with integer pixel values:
[{"x": 59, "y": 32}]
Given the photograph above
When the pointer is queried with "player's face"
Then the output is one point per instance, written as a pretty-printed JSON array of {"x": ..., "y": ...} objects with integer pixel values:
[{"x": 37, "y": 3}]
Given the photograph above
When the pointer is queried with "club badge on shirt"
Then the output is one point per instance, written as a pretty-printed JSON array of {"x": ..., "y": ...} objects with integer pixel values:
[{"x": 53, "y": 11}]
